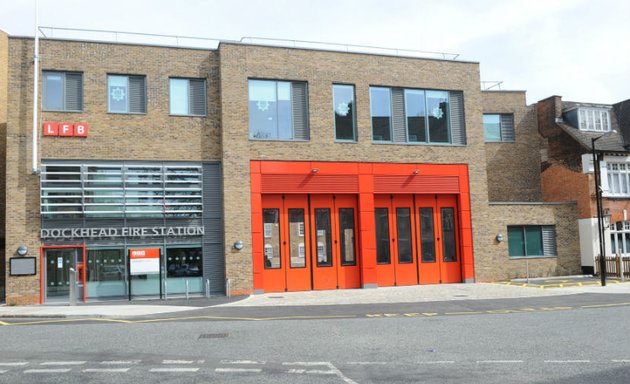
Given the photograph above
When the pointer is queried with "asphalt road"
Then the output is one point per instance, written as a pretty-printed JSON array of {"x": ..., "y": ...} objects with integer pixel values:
[{"x": 589, "y": 344}]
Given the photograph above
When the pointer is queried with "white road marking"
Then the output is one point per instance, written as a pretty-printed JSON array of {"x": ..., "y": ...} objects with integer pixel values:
[
  {"x": 366, "y": 363},
  {"x": 63, "y": 363},
  {"x": 106, "y": 370},
  {"x": 15, "y": 364},
  {"x": 252, "y": 362},
  {"x": 177, "y": 361},
  {"x": 58, "y": 370},
  {"x": 437, "y": 362},
  {"x": 621, "y": 361},
  {"x": 343, "y": 377},
  {"x": 119, "y": 362},
  {"x": 566, "y": 361},
  {"x": 499, "y": 361},
  {"x": 311, "y": 371},
  {"x": 306, "y": 363},
  {"x": 3, "y": 371},
  {"x": 173, "y": 369},
  {"x": 238, "y": 370}
]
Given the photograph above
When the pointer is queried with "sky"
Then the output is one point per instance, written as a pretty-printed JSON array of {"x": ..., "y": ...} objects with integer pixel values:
[{"x": 577, "y": 49}]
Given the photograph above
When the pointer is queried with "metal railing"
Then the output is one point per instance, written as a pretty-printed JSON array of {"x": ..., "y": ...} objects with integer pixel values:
[
  {"x": 212, "y": 43},
  {"x": 490, "y": 84}
]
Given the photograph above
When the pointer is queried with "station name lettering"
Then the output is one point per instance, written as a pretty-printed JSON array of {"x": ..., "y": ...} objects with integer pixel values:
[{"x": 75, "y": 233}]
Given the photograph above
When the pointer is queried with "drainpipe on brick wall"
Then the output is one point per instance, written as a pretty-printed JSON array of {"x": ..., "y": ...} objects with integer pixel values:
[{"x": 35, "y": 88}]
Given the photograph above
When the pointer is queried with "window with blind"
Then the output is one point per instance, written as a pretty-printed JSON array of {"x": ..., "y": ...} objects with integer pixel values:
[
  {"x": 402, "y": 115},
  {"x": 62, "y": 91},
  {"x": 278, "y": 110},
  {"x": 126, "y": 94},
  {"x": 119, "y": 189},
  {"x": 532, "y": 241},
  {"x": 498, "y": 128},
  {"x": 187, "y": 97}
]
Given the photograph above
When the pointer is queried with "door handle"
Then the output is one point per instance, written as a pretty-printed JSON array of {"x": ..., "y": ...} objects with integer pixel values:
[{"x": 393, "y": 240}]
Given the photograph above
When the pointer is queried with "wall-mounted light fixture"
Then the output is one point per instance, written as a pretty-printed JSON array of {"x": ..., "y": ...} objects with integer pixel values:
[
  {"x": 314, "y": 170},
  {"x": 499, "y": 237},
  {"x": 22, "y": 250},
  {"x": 238, "y": 245}
]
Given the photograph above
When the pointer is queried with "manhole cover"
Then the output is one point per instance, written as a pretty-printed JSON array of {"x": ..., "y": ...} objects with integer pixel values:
[{"x": 213, "y": 335}]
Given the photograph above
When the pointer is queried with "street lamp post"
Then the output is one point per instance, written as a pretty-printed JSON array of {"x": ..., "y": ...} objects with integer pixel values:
[{"x": 598, "y": 202}]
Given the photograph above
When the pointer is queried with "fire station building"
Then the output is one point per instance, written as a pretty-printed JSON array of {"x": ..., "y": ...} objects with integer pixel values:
[{"x": 163, "y": 171}]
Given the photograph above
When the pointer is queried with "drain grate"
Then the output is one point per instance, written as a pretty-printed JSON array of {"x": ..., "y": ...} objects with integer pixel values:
[{"x": 214, "y": 335}]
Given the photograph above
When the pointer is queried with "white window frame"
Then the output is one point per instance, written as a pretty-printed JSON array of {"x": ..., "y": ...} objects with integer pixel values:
[{"x": 587, "y": 119}]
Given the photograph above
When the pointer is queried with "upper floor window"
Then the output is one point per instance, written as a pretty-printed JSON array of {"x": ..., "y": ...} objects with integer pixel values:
[
  {"x": 417, "y": 116},
  {"x": 594, "y": 119},
  {"x": 497, "y": 128},
  {"x": 618, "y": 178},
  {"x": 63, "y": 91},
  {"x": 278, "y": 110},
  {"x": 126, "y": 94},
  {"x": 343, "y": 104},
  {"x": 187, "y": 97}
]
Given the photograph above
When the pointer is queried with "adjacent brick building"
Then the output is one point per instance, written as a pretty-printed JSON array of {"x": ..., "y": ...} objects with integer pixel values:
[
  {"x": 166, "y": 171},
  {"x": 568, "y": 129}
]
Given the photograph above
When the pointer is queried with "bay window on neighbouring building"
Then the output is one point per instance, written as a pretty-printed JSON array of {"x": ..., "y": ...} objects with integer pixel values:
[
  {"x": 618, "y": 179},
  {"x": 278, "y": 110},
  {"x": 498, "y": 128},
  {"x": 62, "y": 91},
  {"x": 417, "y": 116},
  {"x": 187, "y": 97},
  {"x": 532, "y": 240}
]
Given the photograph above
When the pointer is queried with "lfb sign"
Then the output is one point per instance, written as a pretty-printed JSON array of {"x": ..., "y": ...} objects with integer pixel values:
[{"x": 65, "y": 129}]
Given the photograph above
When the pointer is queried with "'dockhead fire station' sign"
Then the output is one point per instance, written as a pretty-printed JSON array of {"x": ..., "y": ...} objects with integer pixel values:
[
  {"x": 65, "y": 129},
  {"x": 144, "y": 261}
]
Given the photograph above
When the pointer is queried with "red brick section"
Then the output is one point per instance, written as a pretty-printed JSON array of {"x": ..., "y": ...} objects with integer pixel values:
[{"x": 562, "y": 184}]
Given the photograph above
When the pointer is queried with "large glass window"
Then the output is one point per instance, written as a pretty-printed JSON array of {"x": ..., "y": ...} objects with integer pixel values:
[
  {"x": 126, "y": 94},
  {"x": 184, "y": 268},
  {"x": 277, "y": 110},
  {"x": 437, "y": 108},
  {"x": 343, "y": 104},
  {"x": 63, "y": 91},
  {"x": 531, "y": 240},
  {"x": 380, "y": 105},
  {"x": 415, "y": 109},
  {"x": 417, "y": 116},
  {"x": 106, "y": 273},
  {"x": 187, "y": 97}
]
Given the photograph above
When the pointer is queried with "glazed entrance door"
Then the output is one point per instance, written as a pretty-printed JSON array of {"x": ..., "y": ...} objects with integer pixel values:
[
  {"x": 440, "y": 260},
  {"x": 286, "y": 241},
  {"x": 333, "y": 230},
  {"x": 58, "y": 263},
  {"x": 395, "y": 243}
]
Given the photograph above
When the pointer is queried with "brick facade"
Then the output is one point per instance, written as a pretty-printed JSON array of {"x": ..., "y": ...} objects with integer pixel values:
[
  {"x": 510, "y": 169},
  {"x": 4, "y": 93},
  {"x": 513, "y": 167}
]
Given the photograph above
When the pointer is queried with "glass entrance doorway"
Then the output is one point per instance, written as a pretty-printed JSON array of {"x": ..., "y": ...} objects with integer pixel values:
[{"x": 58, "y": 262}]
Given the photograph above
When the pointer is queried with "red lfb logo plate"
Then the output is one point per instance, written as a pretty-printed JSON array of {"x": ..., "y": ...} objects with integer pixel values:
[{"x": 65, "y": 129}]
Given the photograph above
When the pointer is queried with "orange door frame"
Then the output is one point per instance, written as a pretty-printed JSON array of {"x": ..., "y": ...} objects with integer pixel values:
[{"x": 80, "y": 267}]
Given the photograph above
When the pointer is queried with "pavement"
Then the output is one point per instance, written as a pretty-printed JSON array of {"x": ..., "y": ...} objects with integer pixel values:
[{"x": 571, "y": 285}]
